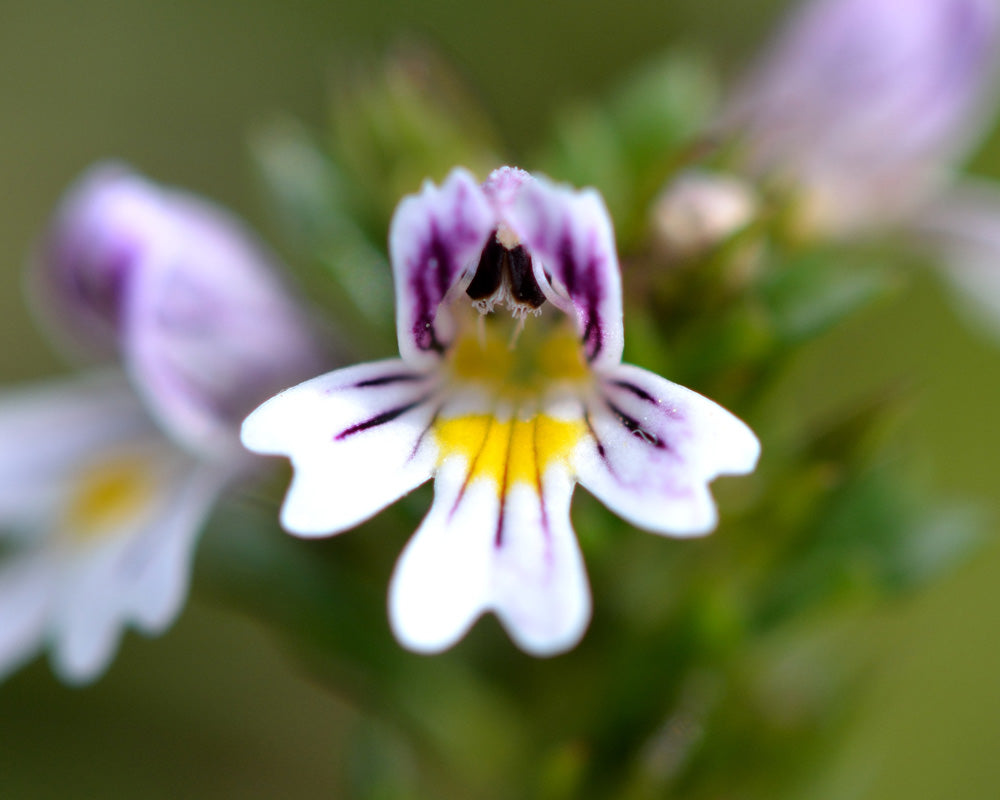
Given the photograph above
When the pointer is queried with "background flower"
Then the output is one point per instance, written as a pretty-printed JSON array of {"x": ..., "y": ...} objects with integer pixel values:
[{"x": 108, "y": 477}]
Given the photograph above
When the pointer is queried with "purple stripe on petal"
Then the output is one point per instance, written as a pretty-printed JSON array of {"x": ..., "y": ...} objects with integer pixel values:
[
  {"x": 633, "y": 426},
  {"x": 385, "y": 380},
  {"x": 435, "y": 241},
  {"x": 570, "y": 238},
  {"x": 379, "y": 419}
]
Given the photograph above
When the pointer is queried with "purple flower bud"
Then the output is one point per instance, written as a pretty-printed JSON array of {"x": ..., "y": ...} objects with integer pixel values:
[
  {"x": 182, "y": 292},
  {"x": 864, "y": 104}
]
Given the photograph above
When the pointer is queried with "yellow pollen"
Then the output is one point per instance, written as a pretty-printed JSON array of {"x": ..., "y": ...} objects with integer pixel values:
[
  {"x": 106, "y": 496},
  {"x": 507, "y": 451}
]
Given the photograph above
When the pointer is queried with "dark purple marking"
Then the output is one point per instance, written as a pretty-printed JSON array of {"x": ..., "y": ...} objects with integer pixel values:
[
  {"x": 498, "y": 538},
  {"x": 378, "y": 419},
  {"x": 489, "y": 273},
  {"x": 592, "y": 340},
  {"x": 523, "y": 285},
  {"x": 424, "y": 432},
  {"x": 583, "y": 289},
  {"x": 435, "y": 258},
  {"x": 472, "y": 468},
  {"x": 638, "y": 391},
  {"x": 565, "y": 257},
  {"x": 440, "y": 257},
  {"x": 385, "y": 380},
  {"x": 538, "y": 483},
  {"x": 425, "y": 336},
  {"x": 595, "y": 437},
  {"x": 673, "y": 413},
  {"x": 635, "y": 427}
]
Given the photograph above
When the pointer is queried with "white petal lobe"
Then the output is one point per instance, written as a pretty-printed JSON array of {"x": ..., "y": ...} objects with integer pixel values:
[
  {"x": 358, "y": 440},
  {"x": 655, "y": 446}
]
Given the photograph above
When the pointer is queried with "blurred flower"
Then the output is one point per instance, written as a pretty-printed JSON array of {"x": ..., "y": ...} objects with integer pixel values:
[
  {"x": 182, "y": 292},
  {"x": 863, "y": 107},
  {"x": 506, "y": 412},
  {"x": 105, "y": 479}
]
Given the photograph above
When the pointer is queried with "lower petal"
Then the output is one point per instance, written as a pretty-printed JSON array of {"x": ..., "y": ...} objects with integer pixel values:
[
  {"x": 540, "y": 589},
  {"x": 481, "y": 550}
]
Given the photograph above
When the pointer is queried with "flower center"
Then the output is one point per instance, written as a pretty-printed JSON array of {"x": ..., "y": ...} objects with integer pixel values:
[{"x": 107, "y": 495}]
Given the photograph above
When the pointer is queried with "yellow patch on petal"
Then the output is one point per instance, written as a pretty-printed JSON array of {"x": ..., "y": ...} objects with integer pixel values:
[
  {"x": 107, "y": 495},
  {"x": 514, "y": 362},
  {"x": 507, "y": 451}
]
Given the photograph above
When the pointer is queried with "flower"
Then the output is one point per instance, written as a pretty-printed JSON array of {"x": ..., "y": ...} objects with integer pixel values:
[
  {"x": 862, "y": 107},
  {"x": 505, "y": 411},
  {"x": 106, "y": 478}
]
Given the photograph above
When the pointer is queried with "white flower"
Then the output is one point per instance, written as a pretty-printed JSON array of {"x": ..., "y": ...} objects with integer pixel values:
[
  {"x": 106, "y": 479},
  {"x": 506, "y": 411},
  {"x": 101, "y": 510}
]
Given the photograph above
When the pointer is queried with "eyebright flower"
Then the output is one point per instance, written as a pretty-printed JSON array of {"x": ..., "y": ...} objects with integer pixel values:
[
  {"x": 508, "y": 390},
  {"x": 865, "y": 106},
  {"x": 105, "y": 479}
]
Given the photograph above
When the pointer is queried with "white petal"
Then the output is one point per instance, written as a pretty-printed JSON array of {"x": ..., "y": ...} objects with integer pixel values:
[
  {"x": 441, "y": 584},
  {"x": 155, "y": 569},
  {"x": 655, "y": 447},
  {"x": 357, "y": 438},
  {"x": 48, "y": 430},
  {"x": 138, "y": 577},
  {"x": 466, "y": 559},
  {"x": 26, "y": 585},
  {"x": 540, "y": 587}
]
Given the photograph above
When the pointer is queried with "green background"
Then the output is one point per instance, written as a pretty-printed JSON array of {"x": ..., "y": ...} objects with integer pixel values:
[{"x": 216, "y": 708}]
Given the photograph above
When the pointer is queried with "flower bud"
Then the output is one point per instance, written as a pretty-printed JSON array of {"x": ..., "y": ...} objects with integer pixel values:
[{"x": 699, "y": 209}]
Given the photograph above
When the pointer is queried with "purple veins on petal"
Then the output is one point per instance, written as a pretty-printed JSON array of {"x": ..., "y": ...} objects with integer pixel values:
[
  {"x": 386, "y": 380},
  {"x": 380, "y": 419},
  {"x": 635, "y": 427}
]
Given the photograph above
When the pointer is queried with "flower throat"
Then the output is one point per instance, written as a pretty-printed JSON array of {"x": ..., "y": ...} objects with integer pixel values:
[{"x": 505, "y": 277}]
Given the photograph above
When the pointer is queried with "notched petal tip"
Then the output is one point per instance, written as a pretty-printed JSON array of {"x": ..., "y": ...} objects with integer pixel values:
[
  {"x": 358, "y": 439},
  {"x": 483, "y": 548}
]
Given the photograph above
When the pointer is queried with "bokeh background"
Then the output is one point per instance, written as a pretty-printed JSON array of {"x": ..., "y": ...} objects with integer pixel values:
[{"x": 217, "y": 708}]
